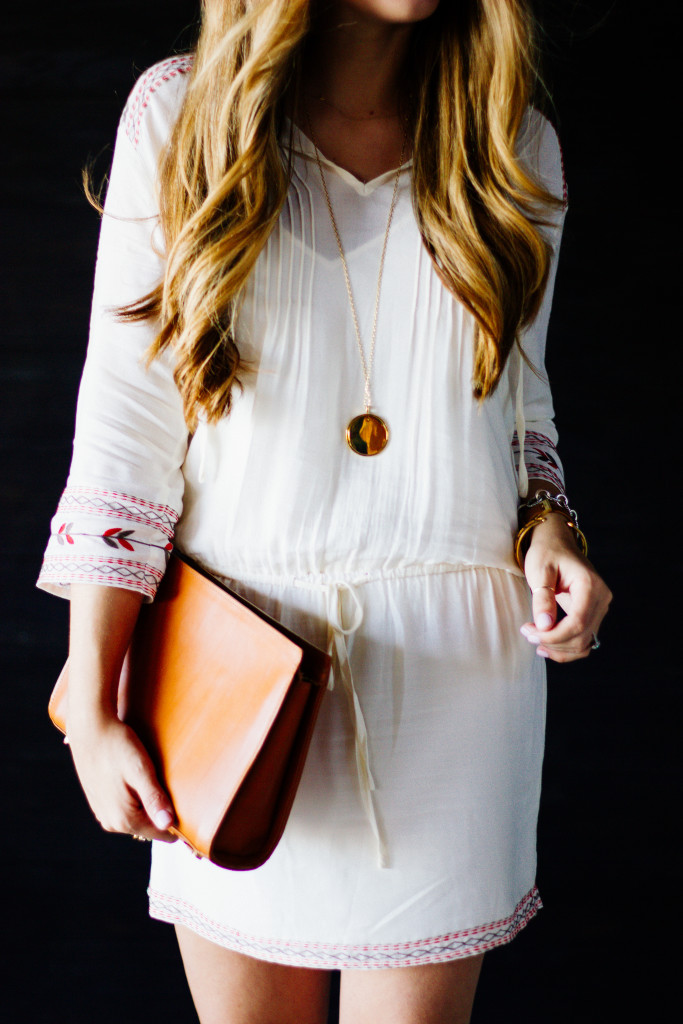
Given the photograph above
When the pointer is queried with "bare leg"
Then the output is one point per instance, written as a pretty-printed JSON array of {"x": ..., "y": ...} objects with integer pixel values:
[
  {"x": 433, "y": 994},
  {"x": 230, "y": 988}
]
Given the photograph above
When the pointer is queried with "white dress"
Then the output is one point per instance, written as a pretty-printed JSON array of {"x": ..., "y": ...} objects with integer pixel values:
[{"x": 402, "y": 563}]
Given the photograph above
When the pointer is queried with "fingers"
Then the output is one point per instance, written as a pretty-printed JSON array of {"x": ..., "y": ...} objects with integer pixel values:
[
  {"x": 542, "y": 580},
  {"x": 544, "y": 605},
  {"x": 132, "y": 818},
  {"x": 155, "y": 813},
  {"x": 584, "y": 597},
  {"x": 120, "y": 782},
  {"x": 150, "y": 811},
  {"x": 129, "y": 815}
]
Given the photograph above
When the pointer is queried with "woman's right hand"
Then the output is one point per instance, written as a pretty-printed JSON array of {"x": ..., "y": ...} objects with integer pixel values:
[
  {"x": 114, "y": 769},
  {"x": 119, "y": 780}
]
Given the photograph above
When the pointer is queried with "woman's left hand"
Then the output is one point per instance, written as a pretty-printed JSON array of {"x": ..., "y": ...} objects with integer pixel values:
[{"x": 558, "y": 573}]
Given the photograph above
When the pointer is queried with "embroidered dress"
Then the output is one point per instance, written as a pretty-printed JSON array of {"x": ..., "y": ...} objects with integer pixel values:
[{"x": 412, "y": 837}]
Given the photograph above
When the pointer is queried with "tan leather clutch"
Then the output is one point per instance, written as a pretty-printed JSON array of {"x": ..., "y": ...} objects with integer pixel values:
[{"x": 225, "y": 700}]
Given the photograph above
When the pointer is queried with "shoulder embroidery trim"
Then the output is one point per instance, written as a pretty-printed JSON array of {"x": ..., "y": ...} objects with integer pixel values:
[
  {"x": 553, "y": 129},
  {"x": 565, "y": 193},
  {"x": 451, "y": 946},
  {"x": 147, "y": 85}
]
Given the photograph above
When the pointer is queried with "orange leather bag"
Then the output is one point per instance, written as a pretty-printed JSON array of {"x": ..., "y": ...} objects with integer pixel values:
[{"x": 225, "y": 700}]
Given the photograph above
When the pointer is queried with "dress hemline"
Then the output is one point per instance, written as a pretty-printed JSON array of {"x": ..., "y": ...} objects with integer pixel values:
[{"x": 328, "y": 956}]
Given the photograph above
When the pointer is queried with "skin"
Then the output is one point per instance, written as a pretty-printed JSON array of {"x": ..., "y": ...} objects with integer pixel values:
[
  {"x": 355, "y": 64},
  {"x": 560, "y": 576},
  {"x": 229, "y": 988},
  {"x": 113, "y": 767}
]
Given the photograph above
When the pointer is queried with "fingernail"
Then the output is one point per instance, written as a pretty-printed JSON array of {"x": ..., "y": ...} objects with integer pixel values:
[
  {"x": 542, "y": 653},
  {"x": 162, "y": 819},
  {"x": 543, "y": 620},
  {"x": 527, "y": 630}
]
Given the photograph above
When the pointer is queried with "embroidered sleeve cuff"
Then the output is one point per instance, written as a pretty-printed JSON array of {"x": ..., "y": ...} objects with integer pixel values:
[
  {"x": 107, "y": 538},
  {"x": 541, "y": 458}
]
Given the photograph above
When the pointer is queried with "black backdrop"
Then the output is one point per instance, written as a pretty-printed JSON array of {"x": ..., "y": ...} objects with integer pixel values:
[{"x": 79, "y": 945}]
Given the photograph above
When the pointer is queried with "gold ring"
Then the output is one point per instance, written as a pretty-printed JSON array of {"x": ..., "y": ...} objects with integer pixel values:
[{"x": 546, "y": 587}]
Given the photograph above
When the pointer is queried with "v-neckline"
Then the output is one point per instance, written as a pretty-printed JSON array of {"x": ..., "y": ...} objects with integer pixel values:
[{"x": 304, "y": 146}]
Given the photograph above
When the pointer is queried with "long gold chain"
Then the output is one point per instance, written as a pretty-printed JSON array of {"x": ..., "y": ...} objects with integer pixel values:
[{"x": 366, "y": 364}]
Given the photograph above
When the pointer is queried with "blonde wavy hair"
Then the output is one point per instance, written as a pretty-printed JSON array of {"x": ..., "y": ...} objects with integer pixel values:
[{"x": 223, "y": 179}]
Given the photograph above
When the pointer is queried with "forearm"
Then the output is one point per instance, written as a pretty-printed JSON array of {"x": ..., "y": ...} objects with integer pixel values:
[
  {"x": 102, "y": 622},
  {"x": 114, "y": 768}
]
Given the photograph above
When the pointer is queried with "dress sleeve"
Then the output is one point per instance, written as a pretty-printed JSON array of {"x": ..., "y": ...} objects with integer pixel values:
[
  {"x": 539, "y": 148},
  {"x": 115, "y": 520}
]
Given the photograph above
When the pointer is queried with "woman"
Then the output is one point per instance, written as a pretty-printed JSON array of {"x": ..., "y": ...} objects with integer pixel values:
[{"x": 341, "y": 220}]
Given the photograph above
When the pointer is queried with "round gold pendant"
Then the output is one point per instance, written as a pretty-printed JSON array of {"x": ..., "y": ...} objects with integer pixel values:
[{"x": 367, "y": 434}]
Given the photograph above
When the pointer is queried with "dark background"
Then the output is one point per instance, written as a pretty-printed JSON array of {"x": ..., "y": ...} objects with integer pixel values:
[{"x": 79, "y": 945}]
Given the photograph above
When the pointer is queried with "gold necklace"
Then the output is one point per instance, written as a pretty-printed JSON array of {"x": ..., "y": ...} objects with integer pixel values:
[{"x": 367, "y": 434}]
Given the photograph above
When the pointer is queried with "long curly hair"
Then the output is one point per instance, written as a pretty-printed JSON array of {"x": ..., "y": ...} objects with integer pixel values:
[{"x": 223, "y": 178}]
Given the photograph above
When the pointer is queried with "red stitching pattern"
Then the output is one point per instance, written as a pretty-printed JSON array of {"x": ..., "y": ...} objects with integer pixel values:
[
  {"x": 110, "y": 571},
  {"x": 138, "y": 101},
  {"x": 537, "y": 469},
  {"x": 451, "y": 946},
  {"x": 565, "y": 193},
  {"x": 107, "y": 581},
  {"x": 540, "y": 457},
  {"x": 122, "y": 496},
  {"x": 99, "y": 501},
  {"x": 121, "y": 562}
]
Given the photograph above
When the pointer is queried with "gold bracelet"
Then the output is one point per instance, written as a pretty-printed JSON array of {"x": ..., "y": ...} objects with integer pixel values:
[
  {"x": 528, "y": 527},
  {"x": 579, "y": 536}
]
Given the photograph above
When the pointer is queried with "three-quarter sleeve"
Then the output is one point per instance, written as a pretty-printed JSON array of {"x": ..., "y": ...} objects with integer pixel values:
[
  {"x": 539, "y": 148},
  {"x": 115, "y": 520}
]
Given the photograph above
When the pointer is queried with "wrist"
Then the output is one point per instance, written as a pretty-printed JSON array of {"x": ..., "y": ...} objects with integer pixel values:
[
  {"x": 542, "y": 503},
  {"x": 551, "y": 511},
  {"x": 554, "y": 524},
  {"x": 89, "y": 718},
  {"x": 554, "y": 531}
]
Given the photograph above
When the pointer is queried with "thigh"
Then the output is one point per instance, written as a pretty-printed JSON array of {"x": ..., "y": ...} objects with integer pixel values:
[
  {"x": 432, "y": 994},
  {"x": 230, "y": 988}
]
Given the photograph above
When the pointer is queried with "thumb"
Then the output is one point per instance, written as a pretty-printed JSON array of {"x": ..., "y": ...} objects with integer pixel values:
[
  {"x": 544, "y": 604},
  {"x": 155, "y": 802}
]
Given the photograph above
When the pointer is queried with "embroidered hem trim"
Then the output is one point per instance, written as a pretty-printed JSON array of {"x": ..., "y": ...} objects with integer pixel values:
[
  {"x": 452, "y": 946},
  {"x": 112, "y": 572},
  {"x": 97, "y": 501}
]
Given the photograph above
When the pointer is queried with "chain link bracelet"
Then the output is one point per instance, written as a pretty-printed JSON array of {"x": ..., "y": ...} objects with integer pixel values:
[{"x": 536, "y": 511}]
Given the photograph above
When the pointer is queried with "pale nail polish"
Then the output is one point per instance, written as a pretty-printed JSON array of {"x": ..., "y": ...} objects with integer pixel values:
[
  {"x": 162, "y": 819},
  {"x": 542, "y": 653},
  {"x": 544, "y": 621}
]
